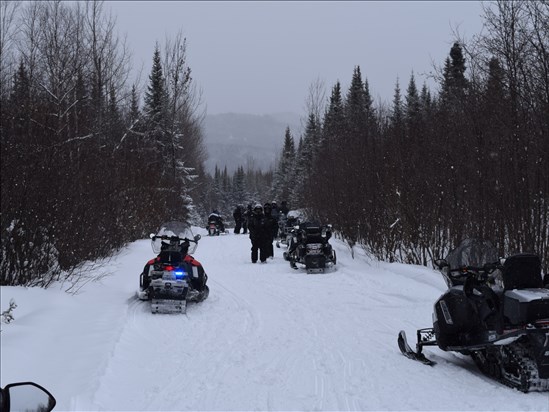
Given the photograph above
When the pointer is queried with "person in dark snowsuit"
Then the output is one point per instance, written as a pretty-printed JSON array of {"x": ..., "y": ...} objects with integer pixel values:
[
  {"x": 276, "y": 215},
  {"x": 245, "y": 218},
  {"x": 260, "y": 234},
  {"x": 284, "y": 208},
  {"x": 238, "y": 217},
  {"x": 274, "y": 227}
]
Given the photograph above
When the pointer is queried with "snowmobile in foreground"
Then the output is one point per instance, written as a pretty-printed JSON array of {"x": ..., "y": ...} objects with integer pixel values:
[
  {"x": 174, "y": 277},
  {"x": 309, "y": 247},
  {"x": 504, "y": 328}
]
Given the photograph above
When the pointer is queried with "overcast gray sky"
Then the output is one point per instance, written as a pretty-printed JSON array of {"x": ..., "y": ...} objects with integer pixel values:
[{"x": 261, "y": 57}]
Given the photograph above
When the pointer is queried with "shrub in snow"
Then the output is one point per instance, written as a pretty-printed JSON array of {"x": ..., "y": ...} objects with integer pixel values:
[{"x": 7, "y": 315}]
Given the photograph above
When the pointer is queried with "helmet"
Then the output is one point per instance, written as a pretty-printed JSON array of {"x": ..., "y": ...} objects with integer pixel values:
[
  {"x": 273, "y": 203},
  {"x": 258, "y": 208}
]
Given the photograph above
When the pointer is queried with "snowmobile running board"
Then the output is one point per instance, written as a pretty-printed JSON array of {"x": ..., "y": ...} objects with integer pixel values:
[
  {"x": 410, "y": 353},
  {"x": 168, "y": 306}
]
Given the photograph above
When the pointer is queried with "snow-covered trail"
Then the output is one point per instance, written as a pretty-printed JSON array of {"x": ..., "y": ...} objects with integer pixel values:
[{"x": 267, "y": 338}]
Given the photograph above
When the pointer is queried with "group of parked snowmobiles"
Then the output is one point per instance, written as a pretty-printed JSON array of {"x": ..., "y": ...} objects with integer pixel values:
[{"x": 496, "y": 311}]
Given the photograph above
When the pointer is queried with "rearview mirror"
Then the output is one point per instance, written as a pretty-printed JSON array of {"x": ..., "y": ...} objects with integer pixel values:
[
  {"x": 441, "y": 263},
  {"x": 197, "y": 238},
  {"x": 27, "y": 396},
  {"x": 152, "y": 235}
]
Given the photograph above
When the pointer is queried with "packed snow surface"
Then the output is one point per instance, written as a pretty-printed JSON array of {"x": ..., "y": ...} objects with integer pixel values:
[{"x": 267, "y": 338}]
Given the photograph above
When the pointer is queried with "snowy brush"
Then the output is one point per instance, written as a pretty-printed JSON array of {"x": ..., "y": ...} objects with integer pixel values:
[{"x": 7, "y": 315}]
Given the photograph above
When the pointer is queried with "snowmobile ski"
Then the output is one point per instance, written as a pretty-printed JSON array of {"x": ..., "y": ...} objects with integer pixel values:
[{"x": 410, "y": 353}]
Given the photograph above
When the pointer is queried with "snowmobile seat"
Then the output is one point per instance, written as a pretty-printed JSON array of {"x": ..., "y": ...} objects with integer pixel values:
[
  {"x": 313, "y": 233},
  {"x": 522, "y": 271},
  {"x": 167, "y": 256}
]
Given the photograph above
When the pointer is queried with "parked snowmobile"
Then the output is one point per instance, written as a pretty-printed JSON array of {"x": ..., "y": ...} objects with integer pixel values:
[
  {"x": 215, "y": 224},
  {"x": 174, "y": 277},
  {"x": 497, "y": 313},
  {"x": 286, "y": 224},
  {"x": 309, "y": 247}
]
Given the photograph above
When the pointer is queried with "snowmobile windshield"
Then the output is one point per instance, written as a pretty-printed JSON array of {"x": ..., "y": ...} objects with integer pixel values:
[
  {"x": 174, "y": 236},
  {"x": 472, "y": 252}
]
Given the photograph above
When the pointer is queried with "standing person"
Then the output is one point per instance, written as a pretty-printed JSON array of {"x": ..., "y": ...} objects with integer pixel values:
[
  {"x": 245, "y": 218},
  {"x": 260, "y": 234},
  {"x": 237, "y": 215},
  {"x": 274, "y": 210},
  {"x": 284, "y": 208},
  {"x": 274, "y": 228},
  {"x": 275, "y": 214}
]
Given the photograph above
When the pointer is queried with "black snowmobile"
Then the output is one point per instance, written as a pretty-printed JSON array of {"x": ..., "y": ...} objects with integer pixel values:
[
  {"x": 215, "y": 225},
  {"x": 497, "y": 313},
  {"x": 174, "y": 277},
  {"x": 286, "y": 224},
  {"x": 309, "y": 247}
]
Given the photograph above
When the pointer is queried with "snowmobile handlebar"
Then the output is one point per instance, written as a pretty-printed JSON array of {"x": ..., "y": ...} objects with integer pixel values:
[
  {"x": 481, "y": 273},
  {"x": 175, "y": 238}
]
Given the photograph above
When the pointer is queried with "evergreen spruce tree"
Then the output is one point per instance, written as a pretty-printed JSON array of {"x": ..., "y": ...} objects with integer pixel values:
[
  {"x": 304, "y": 182},
  {"x": 134, "y": 105},
  {"x": 356, "y": 108},
  {"x": 454, "y": 83},
  {"x": 397, "y": 116},
  {"x": 155, "y": 94},
  {"x": 413, "y": 106},
  {"x": 284, "y": 175},
  {"x": 239, "y": 187}
]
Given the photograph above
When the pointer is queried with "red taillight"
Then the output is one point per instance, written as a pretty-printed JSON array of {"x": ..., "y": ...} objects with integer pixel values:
[{"x": 169, "y": 268}]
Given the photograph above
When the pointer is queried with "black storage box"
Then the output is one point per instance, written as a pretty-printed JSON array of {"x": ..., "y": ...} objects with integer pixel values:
[{"x": 526, "y": 305}]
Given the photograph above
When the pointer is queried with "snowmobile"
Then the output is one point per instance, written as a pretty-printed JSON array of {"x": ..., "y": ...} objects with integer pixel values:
[
  {"x": 215, "y": 224},
  {"x": 26, "y": 396},
  {"x": 174, "y": 277},
  {"x": 286, "y": 224},
  {"x": 498, "y": 314},
  {"x": 213, "y": 228},
  {"x": 309, "y": 246}
]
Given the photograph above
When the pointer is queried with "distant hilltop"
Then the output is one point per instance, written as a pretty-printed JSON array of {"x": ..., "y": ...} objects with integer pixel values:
[{"x": 240, "y": 139}]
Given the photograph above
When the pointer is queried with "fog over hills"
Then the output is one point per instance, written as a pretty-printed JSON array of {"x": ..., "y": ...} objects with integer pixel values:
[{"x": 235, "y": 139}]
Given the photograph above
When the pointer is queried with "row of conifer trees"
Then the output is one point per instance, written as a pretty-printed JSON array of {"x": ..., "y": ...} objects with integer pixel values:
[
  {"x": 84, "y": 168},
  {"x": 409, "y": 183}
]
